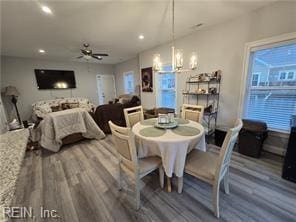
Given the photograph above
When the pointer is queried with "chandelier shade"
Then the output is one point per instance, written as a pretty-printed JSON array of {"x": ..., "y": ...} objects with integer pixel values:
[{"x": 176, "y": 54}]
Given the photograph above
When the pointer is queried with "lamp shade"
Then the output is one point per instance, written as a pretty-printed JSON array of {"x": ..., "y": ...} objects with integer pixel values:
[{"x": 11, "y": 91}]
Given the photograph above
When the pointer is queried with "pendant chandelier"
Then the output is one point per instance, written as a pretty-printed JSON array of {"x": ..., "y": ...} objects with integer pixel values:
[{"x": 176, "y": 54}]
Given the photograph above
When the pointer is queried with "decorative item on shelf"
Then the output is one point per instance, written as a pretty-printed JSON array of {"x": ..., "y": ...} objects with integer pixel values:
[
  {"x": 14, "y": 93},
  {"x": 176, "y": 54},
  {"x": 203, "y": 77},
  {"x": 201, "y": 91},
  {"x": 208, "y": 109},
  {"x": 216, "y": 75},
  {"x": 213, "y": 90}
]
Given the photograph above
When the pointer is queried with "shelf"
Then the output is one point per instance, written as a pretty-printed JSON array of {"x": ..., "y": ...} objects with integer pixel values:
[
  {"x": 211, "y": 114},
  {"x": 204, "y": 81},
  {"x": 200, "y": 94}
]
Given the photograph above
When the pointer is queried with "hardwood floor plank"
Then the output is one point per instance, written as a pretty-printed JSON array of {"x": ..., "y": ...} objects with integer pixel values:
[{"x": 80, "y": 183}]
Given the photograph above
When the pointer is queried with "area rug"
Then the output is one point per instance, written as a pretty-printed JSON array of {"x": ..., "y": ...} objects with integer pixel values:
[{"x": 12, "y": 150}]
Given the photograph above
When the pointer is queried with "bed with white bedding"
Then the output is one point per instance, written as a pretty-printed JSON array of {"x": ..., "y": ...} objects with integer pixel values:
[{"x": 58, "y": 125}]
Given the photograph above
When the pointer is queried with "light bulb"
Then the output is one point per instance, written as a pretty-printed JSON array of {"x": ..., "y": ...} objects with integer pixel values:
[
  {"x": 193, "y": 61},
  {"x": 156, "y": 62},
  {"x": 179, "y": 59}
]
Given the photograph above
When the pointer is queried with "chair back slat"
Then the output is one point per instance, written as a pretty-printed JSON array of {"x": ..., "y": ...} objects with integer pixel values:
[
  {"x": 192, "y": 112},
  {"x": 227, "y": 148},
  {"x": 124, "y": 142},
  {"x": 133, "y": 115}
]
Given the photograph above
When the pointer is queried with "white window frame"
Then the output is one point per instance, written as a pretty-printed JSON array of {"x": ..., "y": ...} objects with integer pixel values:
[
  {"x": 125, "y": 74},
  {"x": 261, "y": 44},
  {"x": 158, "y": 88}
]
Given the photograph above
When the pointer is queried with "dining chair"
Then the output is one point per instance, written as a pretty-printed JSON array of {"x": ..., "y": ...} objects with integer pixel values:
[
  {"x": 133, "y": 115},
  {"x": 212, "y": 168},
  {"x": 127, "y": 155},
  {"x": 192, "y": 112}
]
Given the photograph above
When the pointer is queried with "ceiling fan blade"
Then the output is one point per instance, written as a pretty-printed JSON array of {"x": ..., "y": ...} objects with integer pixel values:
[
  {"x": 79, "y": 57},
  {"x": 100, "y": 54},
  {"x": 97, "y": 57}
]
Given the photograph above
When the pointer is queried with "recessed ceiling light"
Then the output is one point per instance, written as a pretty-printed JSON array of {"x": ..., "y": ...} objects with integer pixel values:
[
  {"x": 46, "y": 9},
  {"x": 141, "y": 36},
  {"x": 42, "y": 51}
]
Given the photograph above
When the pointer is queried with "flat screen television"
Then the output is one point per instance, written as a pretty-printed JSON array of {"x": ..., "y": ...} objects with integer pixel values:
[{"x": 55, "y": 79}]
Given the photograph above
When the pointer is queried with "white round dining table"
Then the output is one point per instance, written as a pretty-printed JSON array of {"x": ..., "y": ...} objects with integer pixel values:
[{"x": 172, "y": 145}]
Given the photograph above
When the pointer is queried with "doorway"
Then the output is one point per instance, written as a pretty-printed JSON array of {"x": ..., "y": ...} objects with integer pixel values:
[{"x": 106, "y": 88}]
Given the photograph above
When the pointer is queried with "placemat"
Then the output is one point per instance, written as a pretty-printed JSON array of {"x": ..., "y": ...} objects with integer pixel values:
[
  {"x": 186, "y": 131},
  {"x": 181, "y": 121},
  {"x": 152, "y": 132},
  {"x": 148, "y": 122}
]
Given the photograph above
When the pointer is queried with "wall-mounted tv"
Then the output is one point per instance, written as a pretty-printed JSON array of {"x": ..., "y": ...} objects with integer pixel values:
[{"x": 55, "y": 79}]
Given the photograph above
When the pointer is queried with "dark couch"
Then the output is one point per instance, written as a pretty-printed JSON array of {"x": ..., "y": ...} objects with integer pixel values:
[{"x": 113, "y": 112}]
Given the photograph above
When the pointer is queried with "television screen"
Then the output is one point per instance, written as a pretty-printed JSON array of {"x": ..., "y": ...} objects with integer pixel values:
[{"x": 55, "y": 79}]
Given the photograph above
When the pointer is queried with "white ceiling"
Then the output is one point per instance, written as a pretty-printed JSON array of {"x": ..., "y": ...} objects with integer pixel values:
[{"x": 109, "y": 26}]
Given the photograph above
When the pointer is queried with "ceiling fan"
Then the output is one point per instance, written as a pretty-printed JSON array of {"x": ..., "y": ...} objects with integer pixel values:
[{"x": 87, "y": 53}]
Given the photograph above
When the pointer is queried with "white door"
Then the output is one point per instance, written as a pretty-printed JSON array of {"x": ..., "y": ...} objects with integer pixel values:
[{"x": 106, "y": 88}]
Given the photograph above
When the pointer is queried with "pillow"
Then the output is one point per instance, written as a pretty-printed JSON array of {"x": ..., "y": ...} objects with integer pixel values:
[
  {"x": 123, "y": 100},
  {"x": 56, "y": 108},
  {"x": 73, "y": 105},
  {"x": 69, "y": 105},
  {"x": 44, "y": 108}
]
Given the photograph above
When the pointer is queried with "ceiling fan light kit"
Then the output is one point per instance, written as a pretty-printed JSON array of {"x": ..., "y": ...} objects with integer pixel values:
[
  {"x": 176, "y": 54},
  {"x": 87, "y": 53}
]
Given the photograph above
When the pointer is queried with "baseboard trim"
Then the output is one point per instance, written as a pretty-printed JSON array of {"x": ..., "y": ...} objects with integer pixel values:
[{"x": 274, "y": 149}]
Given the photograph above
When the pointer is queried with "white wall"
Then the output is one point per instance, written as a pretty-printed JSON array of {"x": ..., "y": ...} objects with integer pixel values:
[
  {"x": 19, "y": 72},
  {"x": 222, "y": 47},
  {"x": 121, "y": 68}
]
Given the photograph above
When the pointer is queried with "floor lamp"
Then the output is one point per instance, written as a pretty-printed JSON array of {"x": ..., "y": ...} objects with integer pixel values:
[{"x": 12, "y": 91}]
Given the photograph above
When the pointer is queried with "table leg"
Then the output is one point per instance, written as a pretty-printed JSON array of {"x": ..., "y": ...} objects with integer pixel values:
[
  {"x": 169, "y": 185},
  {"x": 180, "y": 184}
]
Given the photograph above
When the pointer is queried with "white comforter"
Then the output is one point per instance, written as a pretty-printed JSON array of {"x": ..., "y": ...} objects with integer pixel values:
[{"x": 57, "y": 125}]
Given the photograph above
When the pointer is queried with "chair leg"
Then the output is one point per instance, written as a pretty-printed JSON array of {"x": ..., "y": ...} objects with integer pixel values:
[
  {"x": 215, "y": 198},
  {"x": 169, "y": 185},
  {"x": 138, "y": 198},
  {"x": 161, "y": 176},
  {"x": 226, "y": 182},
  {"x": 119, "y": 176},
  {"x": 180, "y": 184}
]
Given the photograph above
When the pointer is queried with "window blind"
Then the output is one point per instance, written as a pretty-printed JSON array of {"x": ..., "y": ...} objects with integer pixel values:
[{"x": 270, "y": 97}]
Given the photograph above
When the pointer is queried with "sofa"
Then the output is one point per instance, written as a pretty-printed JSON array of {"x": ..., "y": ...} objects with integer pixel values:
[
  {"x": 153, "y": 113},
  {"x": 42, "y": 108},
  {"x": 113, "y": 112}
]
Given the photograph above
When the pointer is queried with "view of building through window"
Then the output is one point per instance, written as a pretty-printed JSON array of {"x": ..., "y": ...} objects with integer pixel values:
[{"x": 271, "y": 95}]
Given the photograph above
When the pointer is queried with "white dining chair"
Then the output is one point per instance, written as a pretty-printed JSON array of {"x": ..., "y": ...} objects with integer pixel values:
[
  {"x": 127, "y": 155},
  {"x": 213, "y": 168},
  {"x": 192, "y": 112},
  {"x": 133, "y": 115}
]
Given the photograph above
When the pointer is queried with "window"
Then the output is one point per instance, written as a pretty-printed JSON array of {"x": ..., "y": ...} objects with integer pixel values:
[
  {"x": 290, "y": 75},
  {"x": 283, "y": 75},
  {"x": 166, "y": 89},
  {"x": 273, "y": 100},
  {"x": 255, "y": 79},
  {"x": 287, "y": 75},
  {"x": 129, "y": 86}
]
